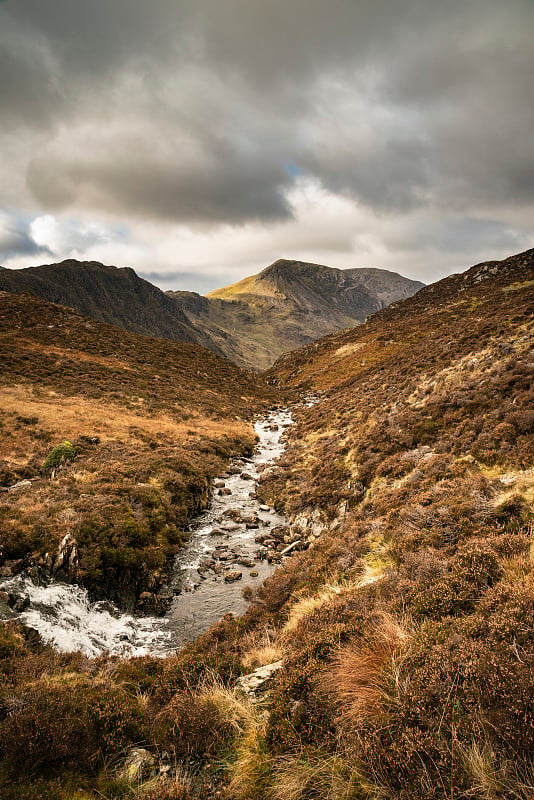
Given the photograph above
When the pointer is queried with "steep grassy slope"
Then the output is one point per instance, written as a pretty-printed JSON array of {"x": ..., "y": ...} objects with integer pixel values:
[
  {"x": 408, "y": 629},
  {"x": 289, "y": 304},
  {"x": 107, "y": 294},
  {"x": 150, "y": 423}
]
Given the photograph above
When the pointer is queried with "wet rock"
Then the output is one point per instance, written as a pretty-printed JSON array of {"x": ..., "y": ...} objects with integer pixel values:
[
  {"x": 271, "y": 472},
  {"x": 246, "y": 562},
  {"x": 21, "y": 604},
  {"x": 225, "y": 492},
  {"x": 67, "y": 554},
  {"x": 233, "y": 471},
  {"x": 265, "y": 508},
  {"x": 229, "y": 526},
  {"x": 6, "y": 572},
  {"x": 233, "y": 575},
  {"x": 251, "y": 522},
  {"x": 254, "y": 573},
  {"x": 219, "y": 484},
  {"x": 246, "y": 476}
]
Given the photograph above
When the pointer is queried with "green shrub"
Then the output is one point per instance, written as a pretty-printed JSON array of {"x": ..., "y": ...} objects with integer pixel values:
[{"x": 59, "y": 455}]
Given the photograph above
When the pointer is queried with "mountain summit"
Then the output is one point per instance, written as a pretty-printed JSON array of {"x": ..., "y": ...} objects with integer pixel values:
[{"x": 289, "y": 304}]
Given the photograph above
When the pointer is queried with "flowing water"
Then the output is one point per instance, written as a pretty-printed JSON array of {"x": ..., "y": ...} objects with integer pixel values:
[{"x": 221, "y": 541}]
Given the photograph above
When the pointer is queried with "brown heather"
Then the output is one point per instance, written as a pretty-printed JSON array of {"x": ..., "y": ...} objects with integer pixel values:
[
  {"x": 406, "y": 630},
  {"x": 151, "y": 423}
]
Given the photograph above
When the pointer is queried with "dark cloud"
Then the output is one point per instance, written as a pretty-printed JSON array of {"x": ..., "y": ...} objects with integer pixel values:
[
  {"x": 16, "y": 239},
  {"x": 190, "y": 111}
]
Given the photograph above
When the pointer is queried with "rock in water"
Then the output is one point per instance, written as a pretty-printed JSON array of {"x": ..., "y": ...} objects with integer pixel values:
[{"x": 233, "y": 575}]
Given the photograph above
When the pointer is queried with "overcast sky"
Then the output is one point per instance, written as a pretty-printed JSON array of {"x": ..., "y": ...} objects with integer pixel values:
[{"x": 199, "y": 140}]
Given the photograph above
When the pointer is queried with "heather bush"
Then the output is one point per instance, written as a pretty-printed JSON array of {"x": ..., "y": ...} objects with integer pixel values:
[
  {"x": 68, "y": 720},
  {"x": 191, "y": 726}
]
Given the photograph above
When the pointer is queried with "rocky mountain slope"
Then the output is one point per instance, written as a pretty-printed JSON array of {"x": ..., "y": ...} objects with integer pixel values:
[
  {"x": 252, "y": 322},
  {"x": 108, "y": 294},
  {"x": 110, "y": 439},
  {"x": 289, "y": 304}
]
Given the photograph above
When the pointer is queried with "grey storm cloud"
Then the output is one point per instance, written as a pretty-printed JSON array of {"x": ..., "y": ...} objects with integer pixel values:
[
  {"x": 16, "y": 238},
  {"x": 209, "y": 111}
]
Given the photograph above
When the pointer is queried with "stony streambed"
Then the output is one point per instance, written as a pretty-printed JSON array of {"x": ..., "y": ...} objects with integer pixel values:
[{"x": 235, "y": 543}]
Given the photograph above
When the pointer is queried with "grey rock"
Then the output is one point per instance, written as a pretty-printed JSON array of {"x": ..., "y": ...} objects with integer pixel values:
[
  {"x": 21, "y": 486},
  {"x": 257, "y": 681},
  {"x": 290, "y": 547}
]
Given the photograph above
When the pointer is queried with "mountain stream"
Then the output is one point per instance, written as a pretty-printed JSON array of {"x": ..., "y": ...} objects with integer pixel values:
[{"x": 220, "y": 558}]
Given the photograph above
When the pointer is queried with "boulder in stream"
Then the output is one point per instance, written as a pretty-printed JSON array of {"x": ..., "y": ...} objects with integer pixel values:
[{"x": 233, "y": 575}]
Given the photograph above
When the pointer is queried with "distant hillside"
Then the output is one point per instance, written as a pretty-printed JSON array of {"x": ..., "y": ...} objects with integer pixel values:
[
  {"x": 108, "y": 294},
  {"x": 149, "y": 422},
  {"x": 252, "y": 322},
  {"x": 289, "y": 304}
]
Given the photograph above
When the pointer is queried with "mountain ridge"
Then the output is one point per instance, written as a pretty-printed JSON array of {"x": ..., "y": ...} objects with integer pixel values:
[
  {"x": 115, "y": 295},
  {"x": 286, "y": 305},
  {"x": 290, "y": 303}
]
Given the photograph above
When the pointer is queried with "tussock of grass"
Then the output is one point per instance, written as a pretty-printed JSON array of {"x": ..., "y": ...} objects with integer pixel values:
[
  {"x": 322, "y": 776},
  {"x": 366, "y": 674}
]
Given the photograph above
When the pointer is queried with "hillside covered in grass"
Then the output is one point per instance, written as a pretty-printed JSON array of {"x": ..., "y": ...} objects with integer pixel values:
[
  {"x": 108, "y": 445},
  {"x": 401, "y": 642}
]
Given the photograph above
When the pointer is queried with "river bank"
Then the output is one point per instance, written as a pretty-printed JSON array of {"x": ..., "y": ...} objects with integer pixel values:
[{"x": 231, "y": 548}]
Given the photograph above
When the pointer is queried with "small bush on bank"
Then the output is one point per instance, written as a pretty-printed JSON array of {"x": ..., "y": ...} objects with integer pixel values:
[{"x": 61, "y": 454}]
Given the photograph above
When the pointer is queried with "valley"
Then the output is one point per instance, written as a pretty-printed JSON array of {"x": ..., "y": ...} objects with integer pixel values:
[
  {"x": 389, "y": 655},
  {"x": 253, "y": 322}
]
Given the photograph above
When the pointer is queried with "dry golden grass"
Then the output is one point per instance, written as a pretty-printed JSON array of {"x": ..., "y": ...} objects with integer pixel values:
[
  {"x": 248, "y": 769},
  {"x": 319, "y": 775},
  {"x": 73, "y": 353},
  {"x": 366, "y": 674},
  {"x": 261, "y": 648},
  {"x": 71, "y": 416},
  {"x": 309, "y": 604}
]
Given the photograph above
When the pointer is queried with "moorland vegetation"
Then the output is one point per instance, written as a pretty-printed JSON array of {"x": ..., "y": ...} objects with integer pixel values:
[{"x": 405, "y": 632}]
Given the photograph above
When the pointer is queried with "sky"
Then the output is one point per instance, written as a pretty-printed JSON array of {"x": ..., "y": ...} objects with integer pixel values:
[{"x": 197, "y": 141}]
